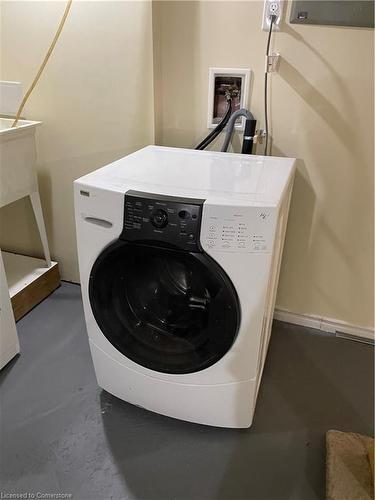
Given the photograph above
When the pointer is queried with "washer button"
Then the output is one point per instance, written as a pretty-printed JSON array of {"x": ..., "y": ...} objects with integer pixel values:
[
  {"x": 183, "y": 214},
  {"x": 159, "y": 218}
]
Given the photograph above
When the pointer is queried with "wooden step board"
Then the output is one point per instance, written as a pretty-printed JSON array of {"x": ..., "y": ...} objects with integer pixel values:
[{"x": 29, "y": 281}]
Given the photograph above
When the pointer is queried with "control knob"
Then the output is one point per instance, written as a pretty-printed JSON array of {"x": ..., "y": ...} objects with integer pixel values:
[{"x": 159, "y": 218}]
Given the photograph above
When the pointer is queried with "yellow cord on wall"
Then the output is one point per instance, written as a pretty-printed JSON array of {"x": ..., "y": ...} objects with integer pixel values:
[{"x": 47, "y": 56}]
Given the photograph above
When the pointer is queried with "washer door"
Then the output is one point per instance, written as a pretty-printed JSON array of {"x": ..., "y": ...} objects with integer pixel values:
[{"x": 168, "y": 310}]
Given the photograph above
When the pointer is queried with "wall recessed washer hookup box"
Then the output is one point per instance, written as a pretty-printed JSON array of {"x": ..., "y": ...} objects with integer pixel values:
[{"x": 220, "y": 80}]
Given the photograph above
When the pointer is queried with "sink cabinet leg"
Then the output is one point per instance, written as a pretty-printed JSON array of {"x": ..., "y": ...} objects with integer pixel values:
[{"x": 37, "y": 207}]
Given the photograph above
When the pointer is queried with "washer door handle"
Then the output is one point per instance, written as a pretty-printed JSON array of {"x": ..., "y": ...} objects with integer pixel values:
[{"x": 99, "y": 222}]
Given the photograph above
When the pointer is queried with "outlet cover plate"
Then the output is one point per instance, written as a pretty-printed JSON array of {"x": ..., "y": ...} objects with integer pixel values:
[{"x": 266, "y": 9}]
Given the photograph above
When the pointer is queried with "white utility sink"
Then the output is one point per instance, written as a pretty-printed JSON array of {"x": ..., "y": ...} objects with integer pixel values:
[
  {"x": 18, "y": 156},
  {"x": 17, "y": 170},
  {"x": 29, "y": 280},
  {"x": 6, "y": 126}
]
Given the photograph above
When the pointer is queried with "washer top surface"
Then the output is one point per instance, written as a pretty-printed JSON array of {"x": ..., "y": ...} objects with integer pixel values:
[{"x": 228, "y": 177}]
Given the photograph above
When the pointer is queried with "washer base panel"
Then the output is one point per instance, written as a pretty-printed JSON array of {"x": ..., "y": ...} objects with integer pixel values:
[{"x": 220, "y": 405}]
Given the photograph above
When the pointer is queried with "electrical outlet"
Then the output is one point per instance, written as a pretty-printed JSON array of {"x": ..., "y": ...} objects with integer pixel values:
[{"x": 272, "y": 8}]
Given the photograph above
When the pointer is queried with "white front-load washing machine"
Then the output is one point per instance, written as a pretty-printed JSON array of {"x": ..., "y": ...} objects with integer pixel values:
[{"x": 179, "y": 255}]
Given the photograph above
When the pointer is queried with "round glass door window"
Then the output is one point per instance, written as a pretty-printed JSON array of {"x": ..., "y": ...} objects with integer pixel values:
[{"x": 167, "y": 310}]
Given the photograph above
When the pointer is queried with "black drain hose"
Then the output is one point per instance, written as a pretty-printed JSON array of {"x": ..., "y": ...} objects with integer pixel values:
[{"x": 219, "y": 127}]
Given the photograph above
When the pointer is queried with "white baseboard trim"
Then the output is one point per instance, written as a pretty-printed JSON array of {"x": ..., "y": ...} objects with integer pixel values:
[{"x": 337, "y": 327}]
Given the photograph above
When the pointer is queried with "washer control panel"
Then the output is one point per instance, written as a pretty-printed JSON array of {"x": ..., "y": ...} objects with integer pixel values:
[
  {"x": 166, "y": 219},
  {"x": 249, "y": 229}
]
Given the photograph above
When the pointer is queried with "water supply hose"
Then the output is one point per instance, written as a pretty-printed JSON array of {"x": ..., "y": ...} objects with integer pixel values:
[
  {"x": 232, "y": 122},
  {"x": 45, "y": 60}
]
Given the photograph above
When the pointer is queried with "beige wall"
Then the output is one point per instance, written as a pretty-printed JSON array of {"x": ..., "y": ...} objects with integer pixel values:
[
  {"x": 321, "y": 113},
  {"x": 95, "y": 100}
]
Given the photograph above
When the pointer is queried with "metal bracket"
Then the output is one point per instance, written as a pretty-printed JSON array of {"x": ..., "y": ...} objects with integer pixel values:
[
  {"x": 272, "y": 63},
  {"x": 259, "y": 136}
]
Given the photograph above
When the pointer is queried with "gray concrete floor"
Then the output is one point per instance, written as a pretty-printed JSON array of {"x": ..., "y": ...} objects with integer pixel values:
[{"x": 61, "y": 434}]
